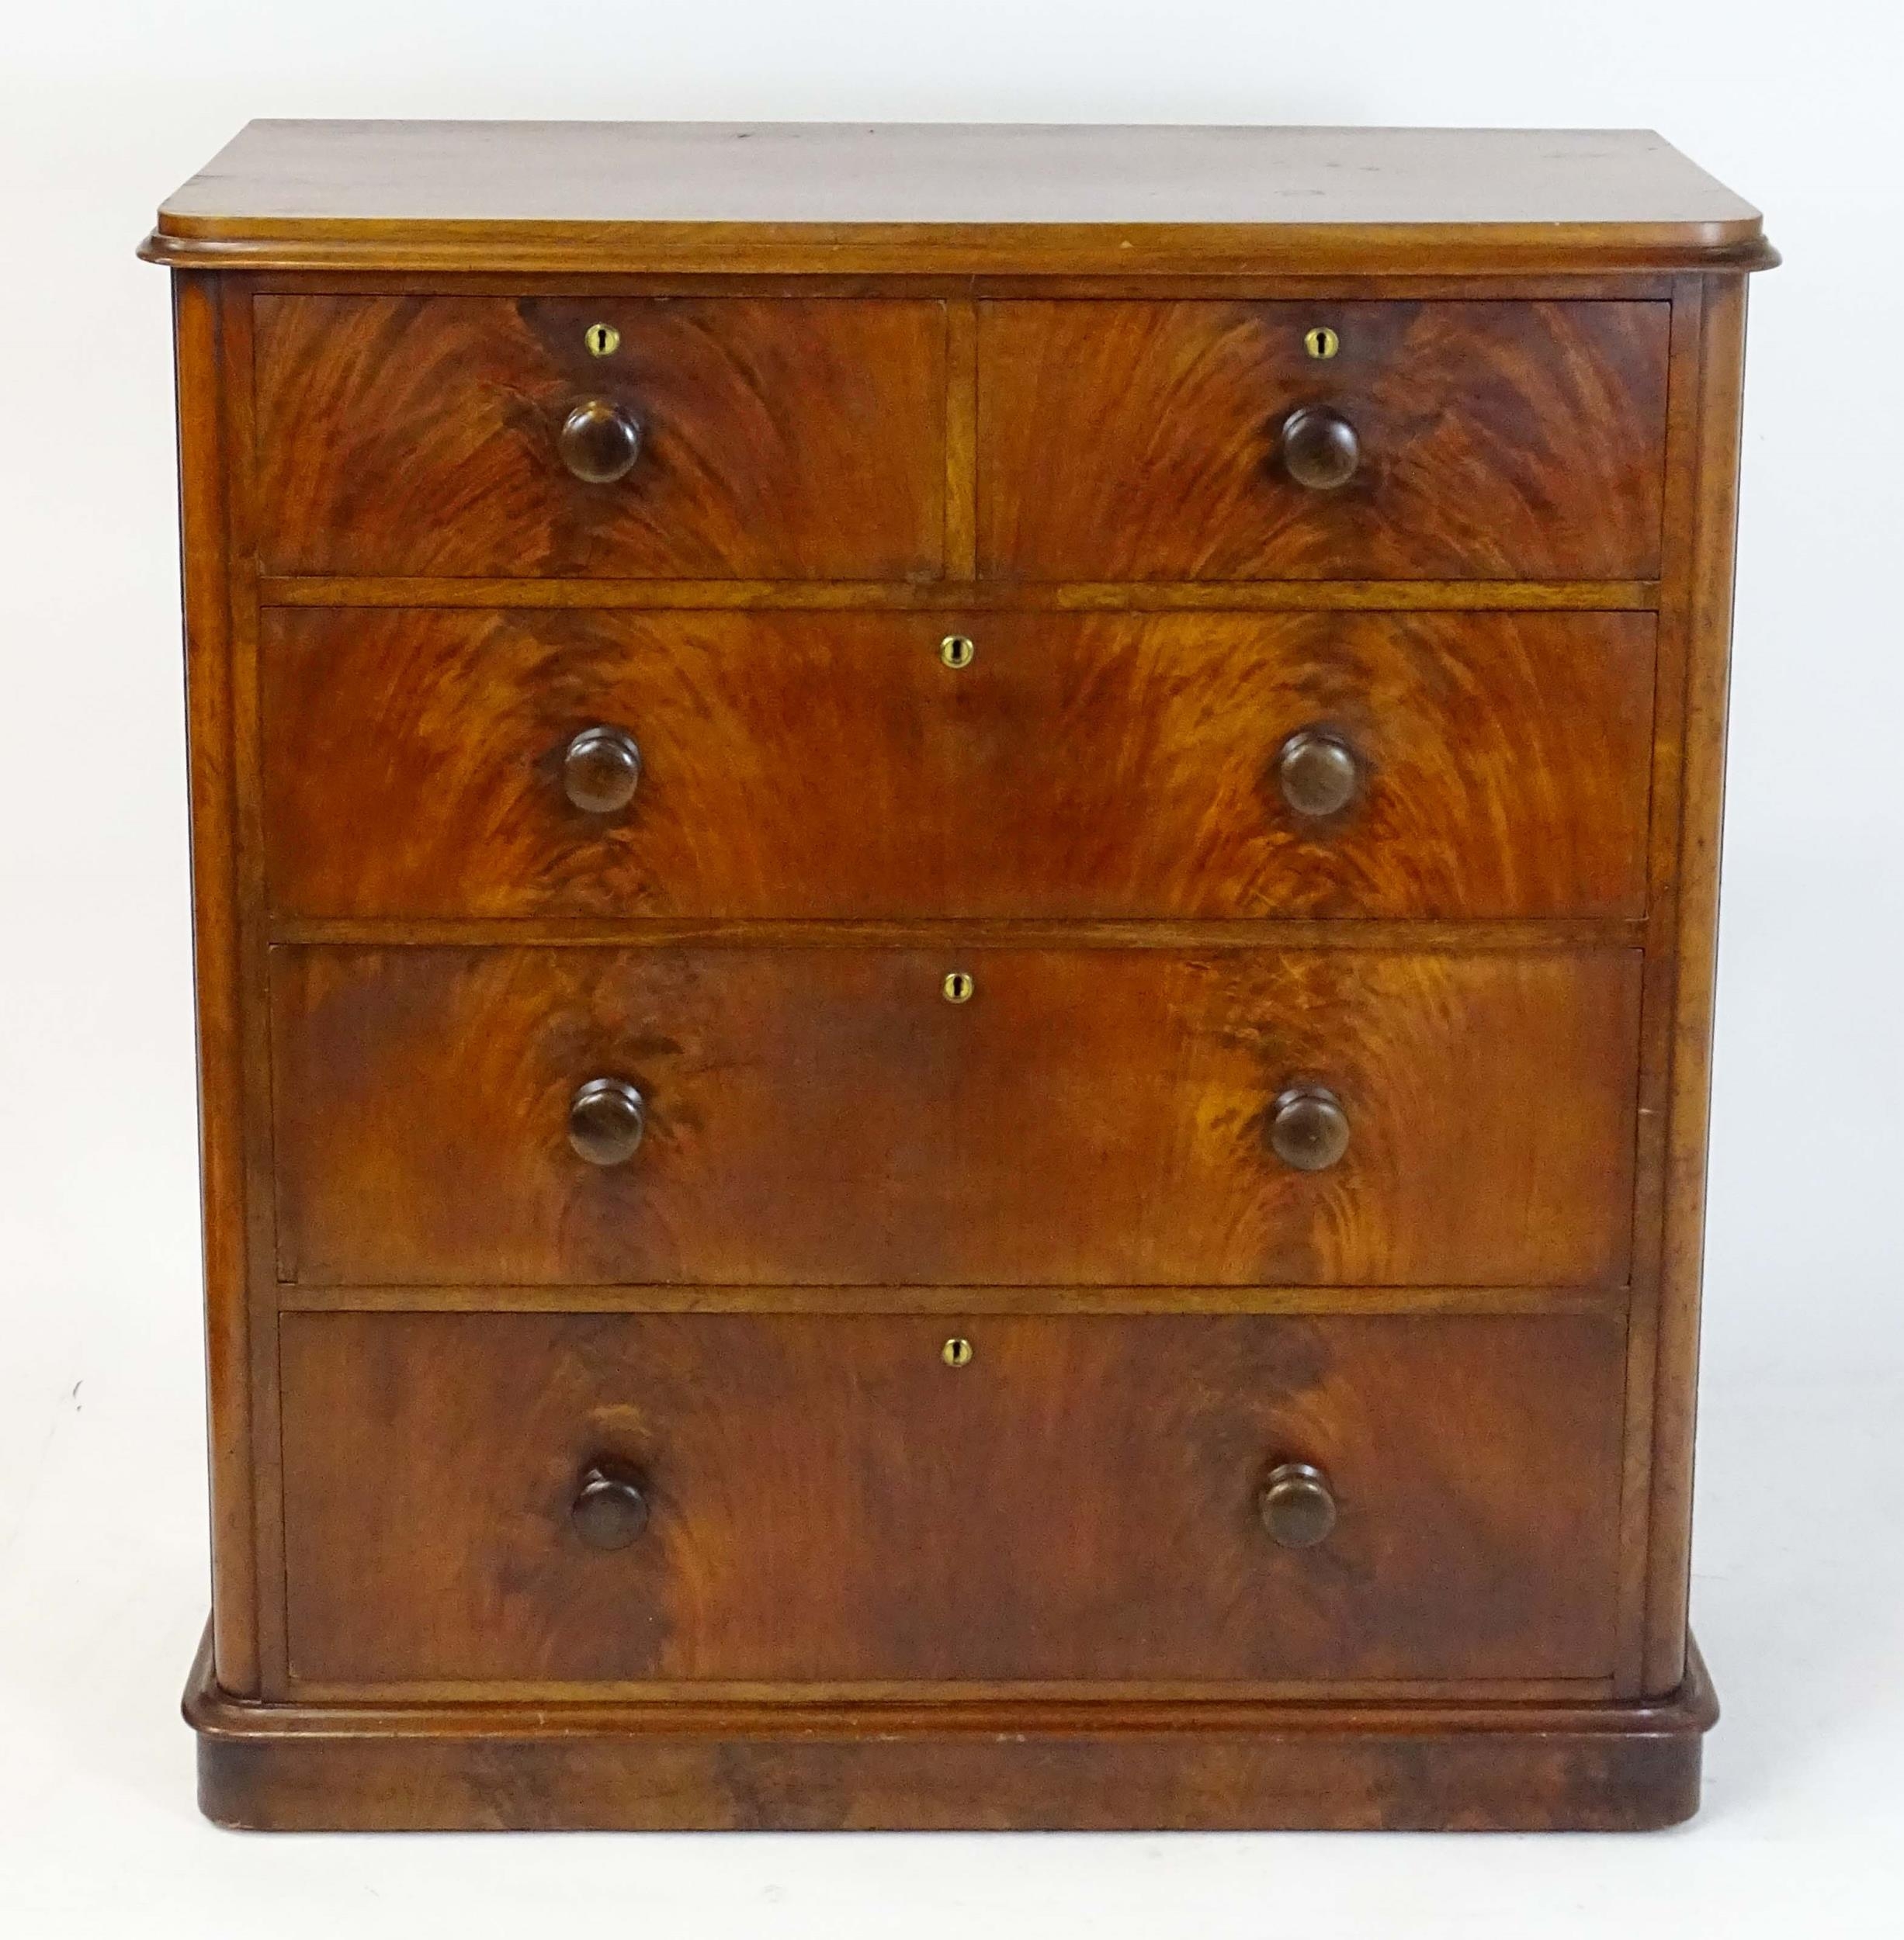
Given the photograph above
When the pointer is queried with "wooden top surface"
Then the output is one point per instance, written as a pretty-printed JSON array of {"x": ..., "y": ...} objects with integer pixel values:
[{"x": 800, "y": 198}]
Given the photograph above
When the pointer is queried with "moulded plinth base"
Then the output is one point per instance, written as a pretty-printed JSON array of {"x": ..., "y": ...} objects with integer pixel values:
[{"x": 1089, "y": 1766}]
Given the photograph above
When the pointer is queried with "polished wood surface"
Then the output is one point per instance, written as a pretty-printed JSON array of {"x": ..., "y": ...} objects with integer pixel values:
[
  {"x": 1297, "y": 1505},
  {"x": 824, "y": 1115},
  {"x": 880, "y": 811},
  {"x": 609, "y": 1509},
  {"x": 1054, "y": 596},
  {"x": 1705, "y": 615},
  {"x": 954, "y": 1303},
  {"x": 230, "y": 1178},
  {"x": 793, "y": 198},
  {"x": 809, "y": 765},
  {"x": 1089, "y": 1488},
  {"x": 1318, "y": 448},
  {"x": 789, "y": 439},
  {"x": 1543, "y": 1762},
  {"x": 1145, "y": 440}
]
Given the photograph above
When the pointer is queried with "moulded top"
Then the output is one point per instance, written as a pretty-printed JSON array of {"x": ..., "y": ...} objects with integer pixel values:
[{"x": 805, "y": 198}]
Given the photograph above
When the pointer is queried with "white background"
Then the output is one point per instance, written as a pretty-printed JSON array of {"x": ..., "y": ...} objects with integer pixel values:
[{"x": 1799, "y": 1585}]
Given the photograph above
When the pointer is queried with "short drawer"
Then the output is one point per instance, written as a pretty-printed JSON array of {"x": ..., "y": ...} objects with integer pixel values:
[
  {"x": 1192, "y": 441},
  {"x": 461, "y": 436},
  {"x": 493, "y": 764},
  {"x": 550, "y": 1499},
  {"x": 828, "y": 1116}
]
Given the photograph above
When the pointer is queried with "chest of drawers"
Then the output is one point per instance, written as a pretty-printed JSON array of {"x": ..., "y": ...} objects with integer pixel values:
[{"x": 955, "y": 895}]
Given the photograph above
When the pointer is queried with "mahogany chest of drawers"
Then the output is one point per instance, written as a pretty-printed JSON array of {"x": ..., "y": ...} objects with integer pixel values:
[{"x": 955, "y": 912}]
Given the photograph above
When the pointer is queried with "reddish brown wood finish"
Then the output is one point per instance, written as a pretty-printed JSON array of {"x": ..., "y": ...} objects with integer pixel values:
[
  {"x": 1078, "y": 1503},
  {"x": 219, "y": 966},
  {"x": 987, "y": 596},
  {"x": 1498, "y": 440},
  {"x": 824, "y": 1115},
  {"x": 806, "y": 199},
  {"x": 780, "y": 439},
  {"x": 1029, "y": 385},
  {"x": 1707, "y": 618},
  {"x": 1080, "y": 767},
  {"x": 1195, "y": 1765}
]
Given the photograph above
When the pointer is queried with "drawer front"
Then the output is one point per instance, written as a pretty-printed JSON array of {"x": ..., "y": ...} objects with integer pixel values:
[
  {"x": 825, "y": 1116},
  {"x": 774, "y": 439},
  {"x": 1490, "y": 440},
  {"x": 822, "y": 1499},
  {"x": 418, "y": 764}
]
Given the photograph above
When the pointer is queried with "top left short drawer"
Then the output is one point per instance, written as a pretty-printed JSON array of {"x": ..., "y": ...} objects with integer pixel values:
[{"x": 707, "y": 438}]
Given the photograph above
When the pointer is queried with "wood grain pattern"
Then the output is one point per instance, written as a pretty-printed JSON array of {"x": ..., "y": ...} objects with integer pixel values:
[
  {"x": 789, "y": 439},
  {"x": 1079, "y": 767},
  {"x": 1708, "y": 593},
  {"x": 1205, "y": 1764},
  {"x": 1227, "y": 934},
  {"x": 577, "y": 197},
  {"x": 1089, "y": 1117},
  {"x": 1106, "y": 596},
  {"x": 683, "y": 1298},
  {"x": 1684, "y": 383},
  {"x": 218, "y": 976},
  {"x": 1026, "y": 385},
  {"x": 1138, "y": 440},
  {"x": 237, "y": 400},
  {"x": 1078, "y": 1503}
]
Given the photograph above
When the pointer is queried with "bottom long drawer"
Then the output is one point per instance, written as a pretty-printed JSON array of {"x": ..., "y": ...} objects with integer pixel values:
[{"x": 555, "y": 1499}]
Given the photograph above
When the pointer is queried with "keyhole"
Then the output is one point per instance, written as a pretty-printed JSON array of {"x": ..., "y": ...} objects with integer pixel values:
[
  {"x": 603, "y": 340},
  {"x": 956, "y": 1352},
  {"x": 1322, "y": 342},
  {"x": 958, "y": 988},
  {"x": 956, "y": 650}
]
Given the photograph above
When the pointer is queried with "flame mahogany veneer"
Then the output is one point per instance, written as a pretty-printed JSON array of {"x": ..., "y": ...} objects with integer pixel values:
[{"x": 954, "y": 898}]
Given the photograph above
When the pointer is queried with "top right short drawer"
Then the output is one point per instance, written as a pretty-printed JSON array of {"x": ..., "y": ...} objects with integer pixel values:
[{"x": 1337, "y": 441}]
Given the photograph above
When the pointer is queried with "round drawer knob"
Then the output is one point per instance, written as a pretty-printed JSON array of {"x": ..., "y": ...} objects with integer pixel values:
[
  {"x": 1307, "y": 1128},
  {"x": 601, "y": 770},
  {"x": 1319, "y": 448},
  {"x": 599, "y": 441},
  {"x": 609, "y": 1510},
  {"x": 1318, "y": 773},
  {"x": 606, "y": 1119},
  {"x": 1297, "y": 1505}
]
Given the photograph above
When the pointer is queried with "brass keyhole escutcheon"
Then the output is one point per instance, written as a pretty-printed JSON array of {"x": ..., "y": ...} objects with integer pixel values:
[
  {"x": 958, "y": 987},
  {"x": 956, "y": 1352},
  {"x": 956, "y": 651},
  {"x": 603, "y": 340},
  {"x": 1322, "y": 342}
]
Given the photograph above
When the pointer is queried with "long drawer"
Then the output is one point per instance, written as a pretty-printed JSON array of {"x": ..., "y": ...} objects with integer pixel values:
[
  {"x": 490, "y": 764},
  {"x": 548, "y": 1499},
  {"x": 853, "y": 1116}
]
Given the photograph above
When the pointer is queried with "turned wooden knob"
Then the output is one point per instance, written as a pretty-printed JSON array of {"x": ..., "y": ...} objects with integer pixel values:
[
  {"x": 609, "y": 1510},
  {"x": 599, "y": 441},
  {"x": 600, "y": 769},
  {"x": 606, "y": 1119},
  {"x": 1318, "y": 773},
  {"x": 1308, "y": 1128},
  {"x": 1297, "y": 1505},
  {"x": 1319, "y": 448}
]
